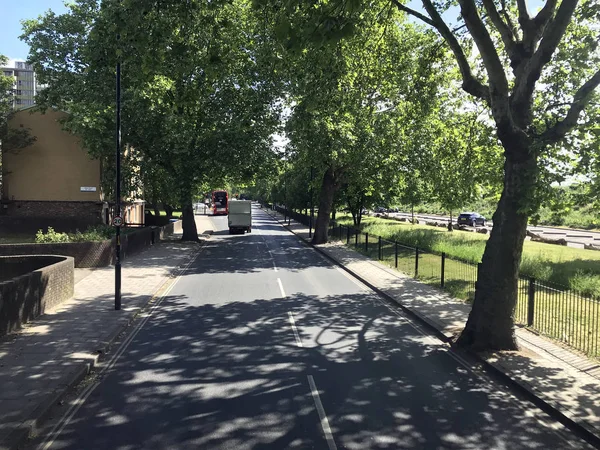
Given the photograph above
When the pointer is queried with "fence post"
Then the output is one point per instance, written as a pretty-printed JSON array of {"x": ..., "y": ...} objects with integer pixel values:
[
  {"x": 530, "y": 302},
  {"x": 347, "y": 235},
  {"x": 340, "y": 232},
  {"x": 417, "y": 262},
  {"x": 379, "y": 250},
  {"x": 356, "y": 238},
  {"x": 443, "y": 269},
  {"x": 396, "y": 254},
  {"x": 367, "y": 243}
]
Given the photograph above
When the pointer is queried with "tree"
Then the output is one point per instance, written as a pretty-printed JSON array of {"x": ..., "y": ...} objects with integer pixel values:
[
  {"x": 507, "y": 33},
  {"x": 196, "y": 101}
]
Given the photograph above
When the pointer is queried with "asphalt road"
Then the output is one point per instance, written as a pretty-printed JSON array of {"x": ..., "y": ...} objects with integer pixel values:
[
  {"x": 263, "y": 344},
  {"x": 574, "y": 236}
]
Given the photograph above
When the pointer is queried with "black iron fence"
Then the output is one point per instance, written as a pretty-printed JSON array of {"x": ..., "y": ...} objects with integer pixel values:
[{"x": 555, "y": 311}]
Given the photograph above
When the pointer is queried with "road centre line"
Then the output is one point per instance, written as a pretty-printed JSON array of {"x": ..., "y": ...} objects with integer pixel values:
[
  {"x": 281, "y": 287},
  {"x": 83, "y": 396},
  {"x": 295, "y": 330},
  {"x": 321, "y": 412}
]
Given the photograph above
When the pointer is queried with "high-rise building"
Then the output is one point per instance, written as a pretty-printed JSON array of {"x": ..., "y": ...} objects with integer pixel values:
[{"x": 24, "y": 86}]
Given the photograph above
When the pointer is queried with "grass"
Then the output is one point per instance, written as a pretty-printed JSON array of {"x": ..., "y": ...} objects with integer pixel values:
[
  {"x": 574, "y": 268},
  {"x": 175, "y": 214},
  {"x": 559, "y": 313}
]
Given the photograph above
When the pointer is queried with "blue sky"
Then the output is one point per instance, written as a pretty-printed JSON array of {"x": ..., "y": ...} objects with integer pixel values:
[{"x": 12, "y": 12}]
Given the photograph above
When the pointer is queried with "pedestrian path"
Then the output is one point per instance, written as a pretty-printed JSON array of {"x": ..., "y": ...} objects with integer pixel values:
[
  {"x": 562, "y": 379},
  {"x": 55, "y": 351}
]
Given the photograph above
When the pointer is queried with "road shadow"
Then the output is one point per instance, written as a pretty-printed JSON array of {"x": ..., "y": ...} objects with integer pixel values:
[{"x": 232, "y": 376}]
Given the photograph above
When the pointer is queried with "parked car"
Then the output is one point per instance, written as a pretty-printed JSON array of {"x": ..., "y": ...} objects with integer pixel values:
[
  {"x": 471, "y": 218},
  {"x": 380, "y": 210}
]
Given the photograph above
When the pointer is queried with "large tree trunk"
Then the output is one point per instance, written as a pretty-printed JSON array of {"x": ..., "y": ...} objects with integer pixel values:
[
  {"x": 328, "y": 188},
  {"x": 190, "y": 232},
  {"x": 491, "y": 322}
]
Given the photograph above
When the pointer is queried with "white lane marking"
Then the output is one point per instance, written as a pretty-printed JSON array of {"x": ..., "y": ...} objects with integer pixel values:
[
  {"x": 295, "y": 330},
  {"x": 281, "y": 287},
  {"x": 322, "y": 415},
  {"x": 270, "y": 253},
  {"x": 83, "y": 396}
]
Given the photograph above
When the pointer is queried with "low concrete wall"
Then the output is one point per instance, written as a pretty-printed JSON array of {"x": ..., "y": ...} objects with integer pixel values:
[
  {"x": 96, "y": 254},
  {"x": 39, "y": 282}
]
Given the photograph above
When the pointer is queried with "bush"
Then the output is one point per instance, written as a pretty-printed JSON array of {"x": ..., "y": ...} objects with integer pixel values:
[
  {"x": 51, "y": 237},
  {"x": 93, "y": 233}
]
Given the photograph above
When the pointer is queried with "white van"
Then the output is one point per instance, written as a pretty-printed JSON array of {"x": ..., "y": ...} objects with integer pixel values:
[{"x": 240, "y": 216}]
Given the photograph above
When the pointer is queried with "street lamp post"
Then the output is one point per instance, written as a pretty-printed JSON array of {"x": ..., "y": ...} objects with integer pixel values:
[
  {"x": 117, "y": 215},
  {"x": 312, "y": 210}
]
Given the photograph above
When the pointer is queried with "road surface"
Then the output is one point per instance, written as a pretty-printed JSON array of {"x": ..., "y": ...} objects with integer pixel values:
[{"x": 263, "y": 344}]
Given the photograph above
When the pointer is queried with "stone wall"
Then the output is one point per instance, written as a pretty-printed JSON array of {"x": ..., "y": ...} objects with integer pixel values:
[{"x": 29, "y": 294}]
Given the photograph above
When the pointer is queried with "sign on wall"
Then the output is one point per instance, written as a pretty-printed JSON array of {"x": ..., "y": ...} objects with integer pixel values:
[{"x": 87, "y": 189}]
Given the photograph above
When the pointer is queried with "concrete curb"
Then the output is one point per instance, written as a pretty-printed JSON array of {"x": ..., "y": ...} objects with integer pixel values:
[
  {"x": 16, "y": 438},
  {"x": 586, "y": 431}
]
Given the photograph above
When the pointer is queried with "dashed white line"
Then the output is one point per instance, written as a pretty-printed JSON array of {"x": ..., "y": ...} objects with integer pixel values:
[
  {"x": 281, "y": 287},
  {"x": 322, "y": 415},
  {"x": 295, "y": 330}
]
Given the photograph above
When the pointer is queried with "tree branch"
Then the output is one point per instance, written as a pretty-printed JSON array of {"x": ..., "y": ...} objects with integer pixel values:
[
  {"x": 523, "y": 11},
  {"x": 562, "y": 127},
  {"x": 503, "y": 28},
  {"x": 470, "y": 84},
  {"x": 412, "y": 12},
  {"x": 487, "y": 49},
  {"x": 552, "y": 34}
]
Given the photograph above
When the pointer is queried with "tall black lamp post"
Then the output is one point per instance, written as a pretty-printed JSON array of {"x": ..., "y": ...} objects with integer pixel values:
[
  {"x": 117, "y": 220},
  {"x": 312, "y": 209}
]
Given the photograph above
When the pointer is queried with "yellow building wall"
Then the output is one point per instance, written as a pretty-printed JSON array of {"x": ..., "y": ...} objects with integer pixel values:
[{"x": 54, "y": 168}]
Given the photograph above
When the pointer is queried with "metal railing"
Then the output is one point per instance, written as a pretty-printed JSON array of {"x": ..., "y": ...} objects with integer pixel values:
[{"x": 555, "y": 311}]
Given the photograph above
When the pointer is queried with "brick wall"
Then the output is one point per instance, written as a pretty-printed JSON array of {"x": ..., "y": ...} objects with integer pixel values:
[
  {"x": 96, "y": 254},
  {"x": 30, "y": 216},
  {"x": 28, "y": 295}
]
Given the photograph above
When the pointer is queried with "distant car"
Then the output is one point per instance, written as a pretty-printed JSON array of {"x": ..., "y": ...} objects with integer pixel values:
[
  {"x": 471, "y": 218},
  {"x": 380, "y": 209}
]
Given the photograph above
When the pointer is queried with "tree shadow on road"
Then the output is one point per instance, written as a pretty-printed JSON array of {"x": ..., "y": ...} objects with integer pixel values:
[{"x": 233, "y": 376}]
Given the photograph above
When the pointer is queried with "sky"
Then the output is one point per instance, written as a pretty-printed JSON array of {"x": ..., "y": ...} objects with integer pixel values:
[{"x": 12, "y": 12}]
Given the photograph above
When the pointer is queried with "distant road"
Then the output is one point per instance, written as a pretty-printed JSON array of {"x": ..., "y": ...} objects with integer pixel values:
[{"x": 573, "y": 236}]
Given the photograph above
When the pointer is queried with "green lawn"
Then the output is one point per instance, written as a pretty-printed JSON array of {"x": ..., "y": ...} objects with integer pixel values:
[
  {"x": 175, "y": 214},
  {"x": 575, "y": 268}
]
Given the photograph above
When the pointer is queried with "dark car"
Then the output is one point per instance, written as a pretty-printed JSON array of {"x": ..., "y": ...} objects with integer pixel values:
[{"x": 471, "y": 218}]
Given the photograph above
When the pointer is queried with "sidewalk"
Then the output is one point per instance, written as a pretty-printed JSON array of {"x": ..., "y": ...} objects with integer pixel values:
[
  {"x": 40, "y": 363},
  {"x": 561, "y": 379}
]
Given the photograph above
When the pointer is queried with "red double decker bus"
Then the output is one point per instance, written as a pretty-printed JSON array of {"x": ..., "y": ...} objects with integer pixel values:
[{"x": 220, "y": 203}]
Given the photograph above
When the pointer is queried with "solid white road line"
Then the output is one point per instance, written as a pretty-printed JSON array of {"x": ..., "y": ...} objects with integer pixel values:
[
  {"x": 322, "y": 415},
  {"x": 295, "y": 330},
  {"x": 80, "y": 400},
  {"x": 281, "y": 287}
]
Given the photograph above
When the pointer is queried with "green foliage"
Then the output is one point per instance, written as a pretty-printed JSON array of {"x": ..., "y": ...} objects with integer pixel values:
[
  {"x": 51, "y": 237},
  {"x": 91, "y": 234}
]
